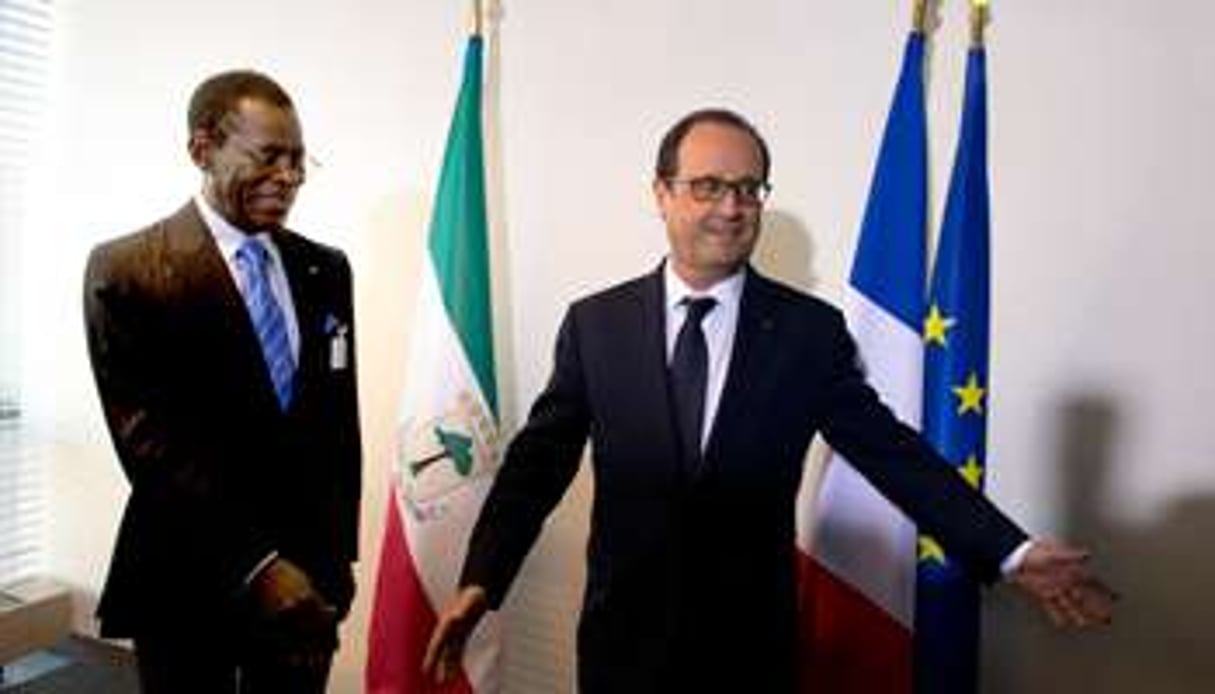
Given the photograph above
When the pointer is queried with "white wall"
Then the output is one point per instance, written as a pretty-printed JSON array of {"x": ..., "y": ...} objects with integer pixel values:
[{"x": 1103, "y": 240}]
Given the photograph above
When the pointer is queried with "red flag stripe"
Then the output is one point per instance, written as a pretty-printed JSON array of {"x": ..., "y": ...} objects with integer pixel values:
[
  {"x": 852, "y": 645},
  {"x": 402, "y": 621}
]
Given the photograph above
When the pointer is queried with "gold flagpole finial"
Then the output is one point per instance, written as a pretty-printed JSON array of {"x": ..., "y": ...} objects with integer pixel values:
[
  {"x": 476, "y": 17},
  {"x": 924, "y": 18},
  {"x": 919, "y": 16},
  {"x": 980, "y": 16}
]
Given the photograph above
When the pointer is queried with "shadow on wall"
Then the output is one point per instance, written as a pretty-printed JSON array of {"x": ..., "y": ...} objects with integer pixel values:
[
  {"x": 785, "y": 251},
  {"x": 1165, "y": 624}
]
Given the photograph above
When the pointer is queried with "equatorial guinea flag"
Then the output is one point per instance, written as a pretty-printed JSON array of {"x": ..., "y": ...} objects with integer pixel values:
[
  {"x": 448, "y": 439},
  {"x": 857, "y": 559}
]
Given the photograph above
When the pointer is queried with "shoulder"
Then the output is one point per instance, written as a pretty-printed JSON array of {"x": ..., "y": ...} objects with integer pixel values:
[
  {"x": 621, "y": 295},
  {"x": 314, "y": 255},
  {"x": 772, "y": 295},
  {"x": 310, "y": 248},
  {"x": 141, "y": 254}
]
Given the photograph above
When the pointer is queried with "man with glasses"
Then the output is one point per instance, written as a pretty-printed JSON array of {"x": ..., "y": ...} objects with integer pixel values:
[
  {"x": 701, "y": 385},
  {"x": 222, "y": 347}
]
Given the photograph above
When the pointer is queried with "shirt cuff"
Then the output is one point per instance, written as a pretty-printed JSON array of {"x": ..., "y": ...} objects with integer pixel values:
[
  {"x": 1014, "y": 559},
  {"x": 258, "y": 567}
]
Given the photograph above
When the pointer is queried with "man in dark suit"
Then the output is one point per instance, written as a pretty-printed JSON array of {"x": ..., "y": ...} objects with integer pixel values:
[
  {"x": 222, "y": 346},
  {"x": 701, "y": 386}
]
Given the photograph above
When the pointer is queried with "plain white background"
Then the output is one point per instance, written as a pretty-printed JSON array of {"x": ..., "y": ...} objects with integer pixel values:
[{"x": 1101, "y": 379}]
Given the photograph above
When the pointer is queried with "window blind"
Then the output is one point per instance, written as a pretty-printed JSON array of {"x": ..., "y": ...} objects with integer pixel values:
[{"x": 25, "y": 49}]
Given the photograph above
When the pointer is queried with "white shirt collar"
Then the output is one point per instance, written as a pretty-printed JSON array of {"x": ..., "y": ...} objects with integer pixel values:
[
  {"x": 727, "y": 291},
  {"x": 227, "y": 236}
]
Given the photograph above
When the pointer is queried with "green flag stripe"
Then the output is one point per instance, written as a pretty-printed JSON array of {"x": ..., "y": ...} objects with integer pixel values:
[{"x": 459, "y": 232}]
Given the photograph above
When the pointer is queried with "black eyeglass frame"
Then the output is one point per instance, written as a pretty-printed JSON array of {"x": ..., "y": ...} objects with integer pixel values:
[{"x": 747, "y": 191}]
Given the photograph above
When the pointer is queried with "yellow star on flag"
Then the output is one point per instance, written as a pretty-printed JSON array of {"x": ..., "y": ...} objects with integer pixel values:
[
  {"x": 936, "y": 325},
  {"x": 930, "y": 550},
  {"x": 972, "y": 471},
  {"x": 970, "y": 395}
]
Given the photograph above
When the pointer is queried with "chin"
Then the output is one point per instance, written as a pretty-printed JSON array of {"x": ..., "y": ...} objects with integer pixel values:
[{"x": 269, "y": 221}]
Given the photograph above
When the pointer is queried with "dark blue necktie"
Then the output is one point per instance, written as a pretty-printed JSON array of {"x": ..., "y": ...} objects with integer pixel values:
[
  {"x": 689, "y": 376},
  {"x": 253, "y": 260}
]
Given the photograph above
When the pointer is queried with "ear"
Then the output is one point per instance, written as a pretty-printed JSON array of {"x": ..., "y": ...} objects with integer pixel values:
[
  {"x": 661, "y": 193},
  {"x": 202, "y": 148}
]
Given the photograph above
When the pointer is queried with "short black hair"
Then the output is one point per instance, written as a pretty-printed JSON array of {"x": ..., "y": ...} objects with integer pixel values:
[
  {"x": 667, "y": 165},
  {"x": 220, "y": 95}
]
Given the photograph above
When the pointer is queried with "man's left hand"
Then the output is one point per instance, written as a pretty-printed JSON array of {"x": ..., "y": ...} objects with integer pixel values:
[{"x": 1057, "y": 577}]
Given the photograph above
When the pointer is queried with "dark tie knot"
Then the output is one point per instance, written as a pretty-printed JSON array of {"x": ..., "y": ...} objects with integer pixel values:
[{"x": 698, "y": 307}]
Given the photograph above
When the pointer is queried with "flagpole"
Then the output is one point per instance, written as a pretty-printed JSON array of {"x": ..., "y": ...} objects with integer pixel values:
[
  {"x": 980, "y": 16},
  {"x": 477, "y": 12}
]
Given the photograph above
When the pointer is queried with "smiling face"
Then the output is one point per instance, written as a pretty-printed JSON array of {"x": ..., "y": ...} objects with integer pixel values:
[
  {"x": 711, "y": 239},
  {"x": 252, "y": 163}
]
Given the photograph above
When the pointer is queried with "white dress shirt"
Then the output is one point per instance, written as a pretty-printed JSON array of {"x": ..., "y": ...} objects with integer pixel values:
[
  {"x": 229, "y": 240},
  {"x": 718, "y": 325}
]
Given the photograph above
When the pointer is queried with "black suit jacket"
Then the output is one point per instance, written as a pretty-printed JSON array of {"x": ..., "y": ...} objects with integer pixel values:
[
  {"x": 220, "y": 476},
  {"x": 691, "y": 581}
]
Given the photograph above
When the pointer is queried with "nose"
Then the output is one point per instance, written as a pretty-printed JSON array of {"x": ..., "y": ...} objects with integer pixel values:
[
  {"x": 731, "y": 203},
  {"x": 291, "y": 173}
]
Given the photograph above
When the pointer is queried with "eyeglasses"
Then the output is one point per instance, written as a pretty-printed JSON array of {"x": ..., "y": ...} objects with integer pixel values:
[
  {"x": 747, "y": 191},
  {"x": 294, "y": 161}
]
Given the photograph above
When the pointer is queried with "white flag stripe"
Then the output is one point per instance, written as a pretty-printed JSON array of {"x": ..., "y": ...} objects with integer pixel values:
[
  {"x": 867, "y": 541},
  {"x": 438, "y": 517}
]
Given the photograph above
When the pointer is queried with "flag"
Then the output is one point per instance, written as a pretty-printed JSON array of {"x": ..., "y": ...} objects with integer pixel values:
[
  {"x": 447, "y": 435},
  {"x": 857, "y": 562},
  {"x": 955, "y": 396}
]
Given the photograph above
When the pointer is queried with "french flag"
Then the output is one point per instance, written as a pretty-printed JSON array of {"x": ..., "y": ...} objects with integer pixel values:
[{"x": 857, "y": 553}]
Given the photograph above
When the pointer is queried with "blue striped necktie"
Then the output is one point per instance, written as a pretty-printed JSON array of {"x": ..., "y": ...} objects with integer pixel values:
[{"x": 252, "y": 259}]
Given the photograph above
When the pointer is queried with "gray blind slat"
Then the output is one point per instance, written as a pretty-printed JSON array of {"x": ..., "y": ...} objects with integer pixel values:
[{"x": 25, "y": 57}]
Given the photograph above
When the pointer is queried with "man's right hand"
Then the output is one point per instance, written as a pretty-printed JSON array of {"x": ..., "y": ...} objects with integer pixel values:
[
  {"x": 281, "y": 587},
  {"x": 293, "y": 614},
  {"x": 456, "y": 624}
]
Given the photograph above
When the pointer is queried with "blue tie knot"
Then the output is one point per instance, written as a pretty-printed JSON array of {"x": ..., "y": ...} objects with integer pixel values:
[{"x": 254, "y": 254}]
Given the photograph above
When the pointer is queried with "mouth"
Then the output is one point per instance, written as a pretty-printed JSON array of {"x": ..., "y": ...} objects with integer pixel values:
[
  {"x": 272, "y": 202},
  {"x": 726, "y": 230}
]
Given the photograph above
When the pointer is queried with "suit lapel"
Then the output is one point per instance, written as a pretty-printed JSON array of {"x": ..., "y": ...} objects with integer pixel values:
[
  {"x": 755, "y": 354},
  {"x": 653, "y": 381},
  {"x": 304, "y": 277},
  {"x": 208, "y": 289}
]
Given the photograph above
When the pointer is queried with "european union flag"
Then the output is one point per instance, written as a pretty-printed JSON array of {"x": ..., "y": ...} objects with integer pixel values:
[{"x": 955, "y": 396}]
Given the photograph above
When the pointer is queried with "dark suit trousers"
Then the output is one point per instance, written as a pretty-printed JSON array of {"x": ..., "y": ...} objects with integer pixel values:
[{"x": 207, "y": 664}]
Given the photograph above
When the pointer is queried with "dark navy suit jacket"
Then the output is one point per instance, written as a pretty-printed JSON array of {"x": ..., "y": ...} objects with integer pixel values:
[{"x": 691, "y": 583}]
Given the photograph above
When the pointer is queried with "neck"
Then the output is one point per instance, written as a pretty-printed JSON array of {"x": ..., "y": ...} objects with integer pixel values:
[{"x": 702, "y": 280}]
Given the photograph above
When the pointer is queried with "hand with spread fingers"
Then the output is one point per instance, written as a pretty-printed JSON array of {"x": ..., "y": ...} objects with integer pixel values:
[
  {"x": 1057, "y": 577},
  {"x": 456, "y": 624}
]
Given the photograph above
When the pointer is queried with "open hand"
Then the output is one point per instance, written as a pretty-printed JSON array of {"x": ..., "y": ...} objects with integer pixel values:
[
  {"x": 456, "y": 624},
  {"x": 1058, "y": 579}
]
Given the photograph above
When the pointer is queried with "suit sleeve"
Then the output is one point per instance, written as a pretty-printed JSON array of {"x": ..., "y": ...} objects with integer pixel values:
[
  {"x": 177, "y": 479},
  {"x": 540, "y": 463},
  {"x": 908, "y": 472}
]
